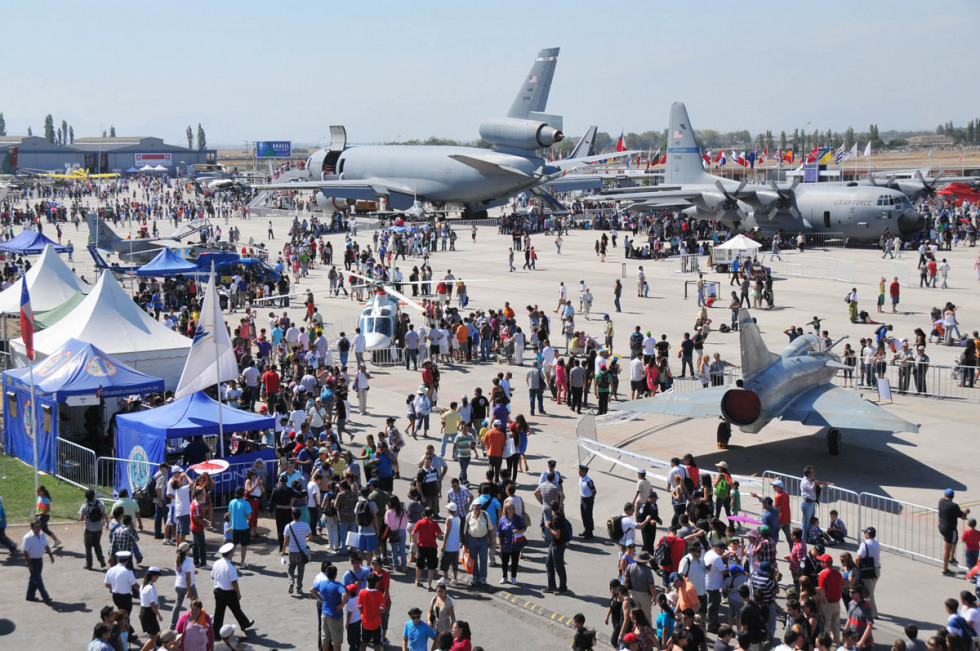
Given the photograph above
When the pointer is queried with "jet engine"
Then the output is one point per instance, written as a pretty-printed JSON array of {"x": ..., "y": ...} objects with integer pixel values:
[
  {"x": 332, "y": 204},
  {"x": 741, "y": 406},
  {"x": 314, "y": 164},
  {"x": 516, "y": 133}
]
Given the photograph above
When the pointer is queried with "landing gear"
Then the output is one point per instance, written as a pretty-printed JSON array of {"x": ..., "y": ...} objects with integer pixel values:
[
  {"x": 724, "y": 434},
  {"x": 833, "y": 441}
]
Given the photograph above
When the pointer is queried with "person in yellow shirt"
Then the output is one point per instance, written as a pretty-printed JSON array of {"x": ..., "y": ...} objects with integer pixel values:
[{"x": 450, "y": 426}]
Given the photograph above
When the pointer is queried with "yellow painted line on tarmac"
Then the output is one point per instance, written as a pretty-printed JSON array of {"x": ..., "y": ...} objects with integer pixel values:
[
  {"x": 535, "y": 608},
  {"x": 975, "y": 503}
]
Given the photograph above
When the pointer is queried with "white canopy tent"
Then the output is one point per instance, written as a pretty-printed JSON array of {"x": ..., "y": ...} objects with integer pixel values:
[
  {"x": 725, "y": 254},
  {"x": 50, "y": 283},
  {"x": 111, "y": 321}
]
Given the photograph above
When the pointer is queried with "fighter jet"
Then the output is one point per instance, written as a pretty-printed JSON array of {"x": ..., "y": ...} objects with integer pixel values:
[
  {"x": 143, "y": 249},
  {"x": 475, "y": 178},
  {"x": 794, "y": 385},
  {"x": 859, "y": 211}
]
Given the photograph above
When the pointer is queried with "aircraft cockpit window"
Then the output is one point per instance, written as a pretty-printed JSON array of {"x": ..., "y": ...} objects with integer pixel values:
[
  {"x": 882, "y": 200},
  {"x": 382, "y": 326}
]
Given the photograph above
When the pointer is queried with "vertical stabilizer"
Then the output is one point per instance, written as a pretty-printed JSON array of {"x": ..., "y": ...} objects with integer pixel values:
[
  {"x": 755, "y": 354},
  {"x": 106, "y": 236},
  {"x": 684, "y": 163},
  {"x": 533, "y": 95},
  {"x": 585, "y": 147}
]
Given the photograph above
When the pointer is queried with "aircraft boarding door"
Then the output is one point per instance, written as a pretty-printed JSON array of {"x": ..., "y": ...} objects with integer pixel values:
[
  {"x": 826, "y": 219},
  {"x": 338, "y": 141}
]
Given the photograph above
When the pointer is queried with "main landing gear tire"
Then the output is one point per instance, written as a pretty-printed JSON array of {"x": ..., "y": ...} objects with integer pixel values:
[
  {"x": 724, "y": 434},
  {"x": 833, "y": 441}
]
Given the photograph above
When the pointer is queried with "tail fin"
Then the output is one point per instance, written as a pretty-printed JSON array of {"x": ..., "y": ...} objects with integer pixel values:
[
  {"x": 586, "y": 145},
  {"x": 9, "y": 163},
  {"x": 533, "y": 95},
  {"x": 755, "y": 354},
  {"x": 106, "y": 236},
  {"x": 684, "y": 163}
]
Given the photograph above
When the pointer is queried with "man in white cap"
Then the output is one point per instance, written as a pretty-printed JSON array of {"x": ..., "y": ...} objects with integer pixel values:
[
  {"x": 227, "y": 635},
  {"x": 226, "y": 591},
  {"x": 450, "y": 542},
  {"x": 121, "y": 582}
]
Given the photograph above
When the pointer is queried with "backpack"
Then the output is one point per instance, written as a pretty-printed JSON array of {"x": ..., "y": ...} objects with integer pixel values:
[
  {"x": 724, "y": 328},
  {"x": 566, "y": 531},
  {"x": 602, "y": 380},
  {"x": 722, "y": 487},
  {"x": 343, "y": 345},
  {"x": 95, "y": 512},
  {"x": 614, "y": 526},
  {"x": 150, "y": 488},
  {"x": 661, "y": 555},
  {"x": 363, "y": 513},
  {"x": 960, "y": 622}
]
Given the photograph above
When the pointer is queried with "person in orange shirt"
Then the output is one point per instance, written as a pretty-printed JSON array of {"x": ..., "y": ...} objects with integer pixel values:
[
  {"x": 508, "y": 311},
  {"x": 687, "y": 594},
  {"x": 493, "y": 444},
  {"x": 462, "y": 342}
]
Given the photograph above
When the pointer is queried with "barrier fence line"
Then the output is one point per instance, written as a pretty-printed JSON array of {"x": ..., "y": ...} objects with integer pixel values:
[
  {"x": 903, "y": 527},
  {"x": 635, "y": 461},
  {"x": 687, "y": 263},
  {"x": 939, "y": 382},
  {"x": 75, "y": 464},
  {"x": 832, "y": 498}
]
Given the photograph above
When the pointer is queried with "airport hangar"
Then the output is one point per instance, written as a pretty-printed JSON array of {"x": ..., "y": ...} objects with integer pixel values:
[{"x": 102, "y": 155}]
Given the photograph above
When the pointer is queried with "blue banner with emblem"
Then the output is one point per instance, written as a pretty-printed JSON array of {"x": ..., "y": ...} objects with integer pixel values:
[
  {"x": 18, "y": 414},
  {"x": 273, "y": 149}
]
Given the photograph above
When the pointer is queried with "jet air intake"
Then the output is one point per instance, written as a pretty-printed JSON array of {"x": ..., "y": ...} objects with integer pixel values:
[
  {"x": 515, "y": 133},
  {"x": 741, "y": 406}
]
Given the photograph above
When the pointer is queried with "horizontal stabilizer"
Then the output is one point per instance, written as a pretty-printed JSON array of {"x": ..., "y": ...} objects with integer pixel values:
[
  {"x": 828, "y": 406},
  {"x": 696, "y": 404}
]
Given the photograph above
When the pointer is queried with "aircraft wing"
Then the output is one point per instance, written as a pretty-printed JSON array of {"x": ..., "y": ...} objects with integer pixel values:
[
  {"x": 693, "y": 404},
  {"x": 489, "y": 167},
  {"x": 398, "y": 196},
  {"x": 649, "y": 194},
  {"x": 828, "y": 406},
  {"x": 575, "y": 163}
]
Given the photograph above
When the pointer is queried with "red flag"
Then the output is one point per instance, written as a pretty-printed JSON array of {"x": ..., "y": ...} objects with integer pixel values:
[
  {"x": 26, "y": 320},
  {"x": 663, "y": 159},
  {"x": 621, "y": 143},
  {"x": 741, "y": 160},
  {"x": 721, "y": 154},
  {"x": 812, "y": 156},
  {"x": 788, "y": 156}
]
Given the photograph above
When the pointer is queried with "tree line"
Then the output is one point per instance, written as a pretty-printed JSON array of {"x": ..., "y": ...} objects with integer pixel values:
[{"x": 64, "y": 134}]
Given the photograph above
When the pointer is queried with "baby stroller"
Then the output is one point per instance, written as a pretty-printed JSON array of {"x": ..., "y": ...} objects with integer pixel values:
[{"x": 506, "y": 350}]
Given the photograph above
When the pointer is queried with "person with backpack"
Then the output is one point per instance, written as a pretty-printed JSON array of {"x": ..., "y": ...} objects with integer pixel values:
[
  {"x": 93, "y": 514},
  {"x": 603, "y": 387},
  {"x": 669, "y": 552},
  {"x": 561, "y": 533},
  {"x": 723, "y": 490},
  {"x": 366, "y": 515}
]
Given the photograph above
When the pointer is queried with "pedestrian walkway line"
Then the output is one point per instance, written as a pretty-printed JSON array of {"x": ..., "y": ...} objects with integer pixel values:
[{"x": 530, "y": 606}]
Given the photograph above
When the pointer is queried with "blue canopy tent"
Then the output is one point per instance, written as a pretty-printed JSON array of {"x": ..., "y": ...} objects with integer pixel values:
[
  {"x": 166, "y": 263},
  {"x": 31, "y": 243},
  {"x": 76, "y": 374},
  {"x": 142, "y": 436}
]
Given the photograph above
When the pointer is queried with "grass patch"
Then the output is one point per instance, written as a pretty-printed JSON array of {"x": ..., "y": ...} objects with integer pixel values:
[{"x": 17, "y": 490}]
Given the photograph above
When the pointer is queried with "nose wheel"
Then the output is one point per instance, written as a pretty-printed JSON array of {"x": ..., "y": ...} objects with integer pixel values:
[
  {"x": 833, "y": 441},
  {"x": 724, "y": 434}
]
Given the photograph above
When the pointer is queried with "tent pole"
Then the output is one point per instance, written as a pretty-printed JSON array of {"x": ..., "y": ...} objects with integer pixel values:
[{"x": 217, "y": 362}]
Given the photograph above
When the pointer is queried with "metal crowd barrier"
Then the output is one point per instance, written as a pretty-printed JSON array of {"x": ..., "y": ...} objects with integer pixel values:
[
  {"x": 845, "y": 502},
  {"x": 656, "y": 468},
  {"x": 75, "y": 465},
  {"x": 903, "y": 527},
  {"x": 900, "y": 527},
  {"x": 815, "y": 267},
  {"x": 105, "y": 477},
  {"x": 687, "y": 263},
  {"x": 940, "y": 382},
  {"x": 828, "y": 240}
]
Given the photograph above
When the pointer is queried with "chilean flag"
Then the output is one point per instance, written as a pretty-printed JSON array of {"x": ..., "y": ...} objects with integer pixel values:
[
  {"x": 621, "y": 143},
  {"x": 27, "y": 320}
]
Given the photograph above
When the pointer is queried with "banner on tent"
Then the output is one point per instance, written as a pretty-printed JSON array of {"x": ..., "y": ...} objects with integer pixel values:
[
  {"x": 17, "y": 417},
  {"x": 137, "y": 451}
]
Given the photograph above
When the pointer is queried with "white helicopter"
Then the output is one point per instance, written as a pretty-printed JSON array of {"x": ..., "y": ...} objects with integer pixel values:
[{"x": 379, "y": 318}]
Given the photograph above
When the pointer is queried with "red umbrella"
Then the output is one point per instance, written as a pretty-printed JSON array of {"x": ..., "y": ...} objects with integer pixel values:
[{"x": 213, "y": 467}]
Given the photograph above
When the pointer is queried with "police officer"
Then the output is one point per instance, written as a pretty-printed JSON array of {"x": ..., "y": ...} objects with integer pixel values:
[
  {"x": 648, "y": 510},
  {"x": 586, "y": 491}
]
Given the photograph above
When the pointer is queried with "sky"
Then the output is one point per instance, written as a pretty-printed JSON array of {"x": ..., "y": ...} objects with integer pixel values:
[{"x": 396, "y": 70}]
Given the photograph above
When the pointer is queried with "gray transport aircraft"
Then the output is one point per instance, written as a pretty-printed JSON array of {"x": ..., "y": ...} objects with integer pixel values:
[
  {"x": 857, "y": 210},
  {"x": 474, "y": 178},
  {"x": 794, "y": 385}
]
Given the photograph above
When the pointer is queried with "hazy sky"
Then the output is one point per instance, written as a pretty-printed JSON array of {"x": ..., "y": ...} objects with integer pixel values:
[{"x": 398, "y": 70}]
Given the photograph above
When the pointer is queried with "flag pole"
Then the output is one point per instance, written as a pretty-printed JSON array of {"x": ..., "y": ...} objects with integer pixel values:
[
  {"x": 217, "y": 363},
  {"x": 33, "y": 415}
]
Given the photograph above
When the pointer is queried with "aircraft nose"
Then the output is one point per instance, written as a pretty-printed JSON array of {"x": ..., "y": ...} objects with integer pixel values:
[{"x": 910, "y": 222}]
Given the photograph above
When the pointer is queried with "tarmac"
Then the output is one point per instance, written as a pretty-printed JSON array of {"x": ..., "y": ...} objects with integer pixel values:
[{"x": 912, "y": 467}]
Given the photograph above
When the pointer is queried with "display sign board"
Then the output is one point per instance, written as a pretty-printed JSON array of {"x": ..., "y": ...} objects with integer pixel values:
[
  {"x": 153, "y": 160},
  {"x": 273, "y": 149}
]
